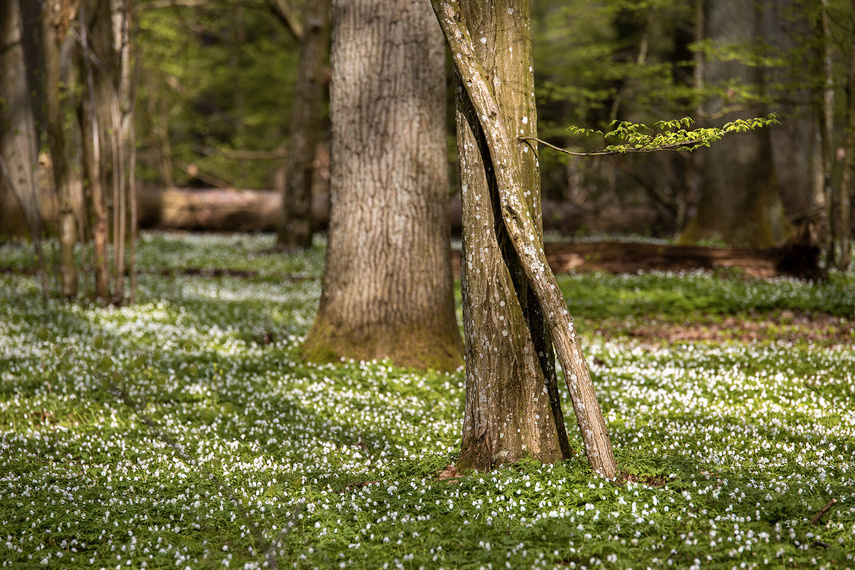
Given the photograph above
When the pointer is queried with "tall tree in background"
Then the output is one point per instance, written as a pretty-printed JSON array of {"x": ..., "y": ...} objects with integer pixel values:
[
  {"x": 741, "y": 201},
  {"x": 387, "y": 289},
  {"x": 295, "y": 227},
  {"x": 514, "y": 312},
  {"x": 108, "y": 149},
  {"x": 56, "y": 20}
]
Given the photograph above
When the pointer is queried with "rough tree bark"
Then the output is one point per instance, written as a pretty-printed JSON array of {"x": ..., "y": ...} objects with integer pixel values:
[
  {"x": 18, "y": 138},
  {"x": 387, "y": 289},
  {"x": 513, "y": 309},
  {"x": 295, "y": 228},
  {"x": 741, "y": 202}
]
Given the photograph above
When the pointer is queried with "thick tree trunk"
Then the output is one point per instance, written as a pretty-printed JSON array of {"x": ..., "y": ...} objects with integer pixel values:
[
  {"x": 56, "y": 19},
  {"x": 295, "y": 228},
  {"x": 387, "y": 288},
  {"x": 503, "y": 258},
  {"x": 741, "y": 202}
]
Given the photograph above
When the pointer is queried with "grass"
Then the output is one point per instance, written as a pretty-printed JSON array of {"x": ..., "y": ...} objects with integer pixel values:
[{"x": 219, "y": 449}]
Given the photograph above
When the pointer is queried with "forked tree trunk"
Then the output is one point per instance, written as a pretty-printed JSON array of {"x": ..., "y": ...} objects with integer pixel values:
[
  {"x": 741, "y": 202},
  {"x": 295, "y": 228},
  {"x": 844, "y": 214},
  {"x": 107, "y": 117},
  {"x": 387, "y": 288},
  {"x": 513, "y": 309}
]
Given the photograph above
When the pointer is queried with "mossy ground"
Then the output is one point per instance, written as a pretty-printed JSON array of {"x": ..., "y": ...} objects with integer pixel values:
[{"x": 224, "y": 450}]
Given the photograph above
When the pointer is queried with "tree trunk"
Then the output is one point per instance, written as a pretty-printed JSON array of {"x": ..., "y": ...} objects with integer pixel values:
[
  {"x": 295, "y": 228},
  {"x": 826, "y": 130},
  {"x": 106, "y": 119},
  {"x": 513, "y": 308},
  {"x": 18, "y": 146},
  {"x": 796, "y": 146},
  {"x": 387, "y": 288},
  {"x": 56, "y": 19},
  {"x": 741, "y": 202},
  {"x": 844, "y": 221}
]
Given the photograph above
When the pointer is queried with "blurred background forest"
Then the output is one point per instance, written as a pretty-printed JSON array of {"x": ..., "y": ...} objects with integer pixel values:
[{"x": 205, "y": 96}]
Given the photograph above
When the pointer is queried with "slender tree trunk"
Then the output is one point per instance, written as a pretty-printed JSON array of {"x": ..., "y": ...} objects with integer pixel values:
[
  {"x": 844, "y": 222},
  {"x": 503, "y": 260},
  {"x": 106, "y": 121},
  {"x": 56, "y": 19},
  {"x": 796, "y": 148},
  {"x": 295, "y": 228},
  {"x": 387, "y": 288},
  {"x": 826, "y": 126},
  {"x": 741, "y": 202}
]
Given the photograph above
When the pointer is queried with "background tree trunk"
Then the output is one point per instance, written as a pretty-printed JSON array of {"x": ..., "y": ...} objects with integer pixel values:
[
  {"x": 295, "y": 229},
  {"x": 18, "y": 135},
  {"x": 106, "y": 123},
  {"x": 796, "y": 144},
  {"x": 740, "y": 202},
  {"x": 56, "y": 18},
  {"x": 387, "y": 288}
]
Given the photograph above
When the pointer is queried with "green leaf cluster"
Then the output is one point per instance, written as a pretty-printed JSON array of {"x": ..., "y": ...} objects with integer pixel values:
[{"x": 676, "y": 135}]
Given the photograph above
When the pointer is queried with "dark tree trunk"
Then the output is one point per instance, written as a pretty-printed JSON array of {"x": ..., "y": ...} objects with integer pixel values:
[
  {"x": 295, "y": 228},
  {"x": 387, "y": 288}
]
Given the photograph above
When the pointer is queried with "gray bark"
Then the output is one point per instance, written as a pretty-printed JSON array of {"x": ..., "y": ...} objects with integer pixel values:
[{"x": 387, "y": 288}]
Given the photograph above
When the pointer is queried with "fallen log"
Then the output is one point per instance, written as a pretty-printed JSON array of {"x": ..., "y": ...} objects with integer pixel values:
[{"x": 793, "y": 260}]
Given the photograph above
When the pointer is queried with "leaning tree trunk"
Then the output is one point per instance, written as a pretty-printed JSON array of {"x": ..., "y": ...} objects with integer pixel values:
[
  {"x": 513, "y": 309},
  {"x": 387, "y": 288},
  {"x": 295, "y": 228},
  {"x": 740, "y": 202}
]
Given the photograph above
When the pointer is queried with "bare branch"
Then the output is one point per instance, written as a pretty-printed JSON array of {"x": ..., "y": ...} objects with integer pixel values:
[{"x": 685, "y": 145}]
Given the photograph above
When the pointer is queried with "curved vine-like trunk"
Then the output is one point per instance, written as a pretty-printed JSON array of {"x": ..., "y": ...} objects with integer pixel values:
[
  {"x": 513, "y": 308},
  {"x": 387, "y": 288}
]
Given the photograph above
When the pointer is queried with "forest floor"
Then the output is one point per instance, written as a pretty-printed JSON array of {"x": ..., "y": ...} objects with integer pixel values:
[{"x": 185, "y": 432}]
